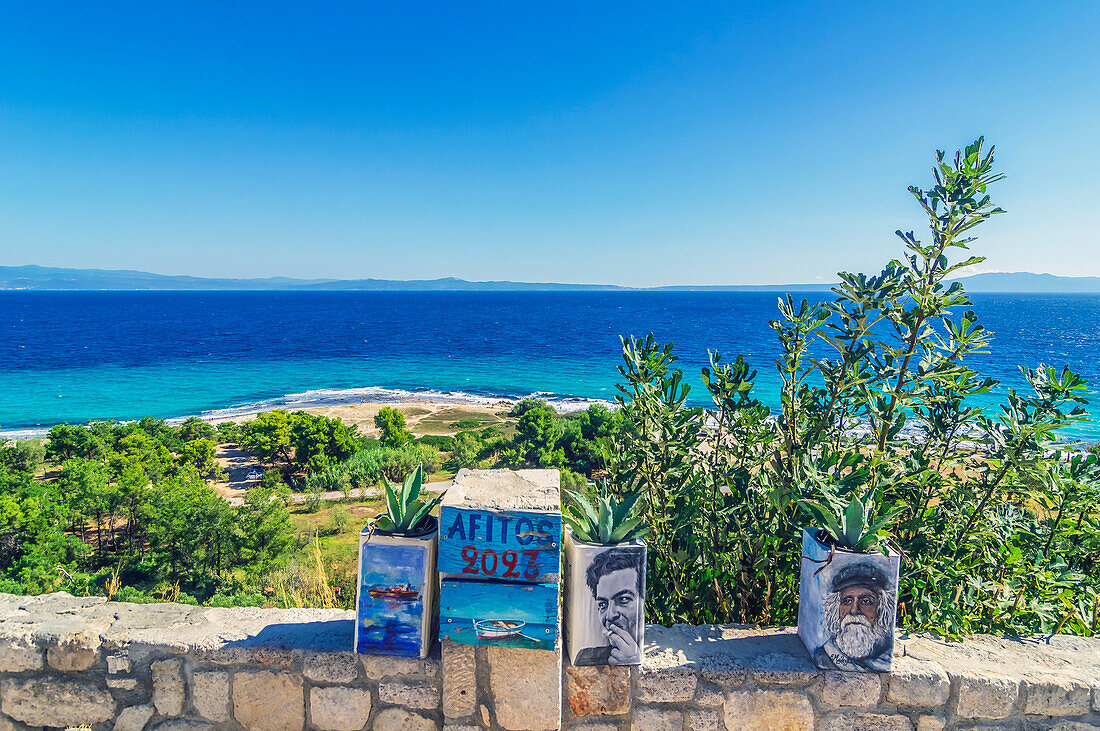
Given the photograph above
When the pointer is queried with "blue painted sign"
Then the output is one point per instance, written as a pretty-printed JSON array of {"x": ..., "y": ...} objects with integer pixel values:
[
  {"x": 505, "y": 545},
  {"x": 390, "y": 612},
  {"x": 498, "y": 614}
]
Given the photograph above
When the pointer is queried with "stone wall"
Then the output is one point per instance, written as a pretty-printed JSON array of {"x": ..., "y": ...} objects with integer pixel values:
[{"x": 83, "y": 661}]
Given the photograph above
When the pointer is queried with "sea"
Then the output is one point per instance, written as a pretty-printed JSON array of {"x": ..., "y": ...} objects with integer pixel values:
[{"x": 76, "y": 356}]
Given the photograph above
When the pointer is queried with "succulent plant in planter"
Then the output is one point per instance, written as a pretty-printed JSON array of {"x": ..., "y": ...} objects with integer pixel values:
[
  {"x": 408, "y": 514},
  {"x": 847, "y": 602},
  {"x": 395, "y": 605},
  {"x": 605, "y": 567}
]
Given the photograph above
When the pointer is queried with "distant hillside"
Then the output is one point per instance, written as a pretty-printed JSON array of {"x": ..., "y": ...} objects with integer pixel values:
[
  {"x": 1024, "y": 282},
  {"x": 54, "y": 278},
  {"x": 36, "y": 277}
]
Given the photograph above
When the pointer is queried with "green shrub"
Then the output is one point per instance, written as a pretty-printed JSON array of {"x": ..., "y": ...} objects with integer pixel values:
[
  {"x": 441, "y": 443},
  {"x": 999, "y": 529}
]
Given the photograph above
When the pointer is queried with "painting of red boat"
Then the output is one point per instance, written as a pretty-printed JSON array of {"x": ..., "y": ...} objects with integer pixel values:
[
  {"x": 498, "y": 629},
  {"x": 399, "y": 593}
]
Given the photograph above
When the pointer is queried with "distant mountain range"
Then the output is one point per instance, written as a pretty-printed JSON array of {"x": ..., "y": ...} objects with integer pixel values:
[{"x": 33, "y": 277}]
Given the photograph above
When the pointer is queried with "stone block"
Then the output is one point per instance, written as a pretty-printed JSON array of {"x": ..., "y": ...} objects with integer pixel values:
[
  {"x": 18, "y": 657},
  {"x": 526, "y": 688},
  {"x": 398, "y": 719},
  {"x": 133, "y": 718},
  {"x": 272, "y": 657},
  {"x": 504, "y": 489},
  {"x": 917, "y": 684},
  {"x": 780, "y": 668},
  {"x": 339, "y": 709},
  {"x": 987, "y": 696},
  {"x": 422, "y": 694},
  {"x": 331, "y": 667},
  {"x": 184, "y": 724},
  {"x": 864, "y": 721},
  {"x": 855, "y": 690},
  {"x": 1053, "y": 695},
  {"x": 268, "y": 700},
  {"x": 55, "y": 701},
  {"x": 118, "y": 664},
  {"x": 377, "y": 666},
  {"x": 931, "y": 723},
  {"x": 666, "y": 686},
  {"x": 658, "y": 719},
  {"x": 122, "y": 683},
  {"x": 768, "y": 710},
  {"x": 210, "y": 695},
  {"x": 168, "y": 687},
  {"x": 706, "y": 719},
  {"x": 1075, "y": 726},
  {"x": 597, "y": 689},
  {"x": 74, "y": 653},
  {"x": 459, "y": 680},
  {"x": 709, "y": 696}
]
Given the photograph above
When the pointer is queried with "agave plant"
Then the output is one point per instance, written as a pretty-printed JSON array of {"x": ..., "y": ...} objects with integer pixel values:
[
  {"x": 604, "y": 519},
  {"x": 858, "y": 525},
  {"x": 407, "y": 511}
]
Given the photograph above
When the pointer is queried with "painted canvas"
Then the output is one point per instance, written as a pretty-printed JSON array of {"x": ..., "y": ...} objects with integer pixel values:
[
  {"x": 847, "y": 607},
  {"x": 497, "y": 614},
  {"x": 391, "y": 617},
  {"x": 605, "y": 601},
  {"x": 505, "y": 545}
]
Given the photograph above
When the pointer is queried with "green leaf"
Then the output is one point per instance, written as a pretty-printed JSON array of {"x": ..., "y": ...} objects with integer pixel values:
[
  {"x": 392, "y": 503},
  {"x": 604, "y": 525},
  {"x": 587, "y": 512}
]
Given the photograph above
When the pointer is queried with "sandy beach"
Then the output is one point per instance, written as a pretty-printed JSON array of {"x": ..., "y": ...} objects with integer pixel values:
[{"x": 421, "y": 417}]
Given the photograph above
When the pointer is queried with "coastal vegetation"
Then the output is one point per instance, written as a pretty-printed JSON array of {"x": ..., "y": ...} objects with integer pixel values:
[
  {"x": 133, "y": 510},
  {"x": 995, "y": 514}
]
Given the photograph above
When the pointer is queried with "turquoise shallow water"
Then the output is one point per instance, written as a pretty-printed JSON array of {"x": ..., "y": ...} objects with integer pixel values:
[{"x": 122, "y": 355}]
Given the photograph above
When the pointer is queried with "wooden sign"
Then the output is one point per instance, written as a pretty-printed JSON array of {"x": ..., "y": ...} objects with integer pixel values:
[
  {"x": 504, "y": 545},
  {"x": 498, "y": 614}
]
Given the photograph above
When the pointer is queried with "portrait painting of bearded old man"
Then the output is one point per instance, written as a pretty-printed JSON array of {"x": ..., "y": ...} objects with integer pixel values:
[
  {"x": 848, "y": 608},
  {"x": 606, "y": 604}
]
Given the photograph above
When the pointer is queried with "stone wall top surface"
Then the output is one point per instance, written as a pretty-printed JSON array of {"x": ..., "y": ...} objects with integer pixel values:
[
  {"x": 505, "y": 490},
  {"x": 723, "y": 653},
  {"x": 50, "y": 618},
  {"x": 731, "y": 653}
]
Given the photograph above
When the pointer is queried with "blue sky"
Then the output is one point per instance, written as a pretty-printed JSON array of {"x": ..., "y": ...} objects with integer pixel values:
[{"x": 638, "y": 144}]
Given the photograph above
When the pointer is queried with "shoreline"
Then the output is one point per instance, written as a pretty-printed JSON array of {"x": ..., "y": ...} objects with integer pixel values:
[{"x": 353, "y": 405}]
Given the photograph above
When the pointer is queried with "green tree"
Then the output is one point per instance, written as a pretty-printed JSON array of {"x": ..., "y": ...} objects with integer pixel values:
[
  {"x": 23, "y": 455},
  {"x": 263, "y": 530},
  {"x": 66, "y": 441},
  {"x": 201, "y": 454},
  {"x": 391, "y": 423},
  {"x": 195, "y": 428},
  {"x": 465, "y": 451},
  {"x": 268, "y": 437},
  {"x": 536, "y": 439}
]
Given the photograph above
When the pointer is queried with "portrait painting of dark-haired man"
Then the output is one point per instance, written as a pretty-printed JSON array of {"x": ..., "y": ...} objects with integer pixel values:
[{"x": 608, "y": 614}]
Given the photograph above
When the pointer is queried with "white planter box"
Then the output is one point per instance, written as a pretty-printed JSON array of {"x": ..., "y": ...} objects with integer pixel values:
[
  {"x": 604, "y": 602},
  {"x": 396, "y": 597},
  {"x": 847, "y": 606}
]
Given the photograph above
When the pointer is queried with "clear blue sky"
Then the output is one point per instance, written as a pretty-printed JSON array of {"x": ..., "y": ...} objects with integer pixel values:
[{"x": 630, "y": 143}]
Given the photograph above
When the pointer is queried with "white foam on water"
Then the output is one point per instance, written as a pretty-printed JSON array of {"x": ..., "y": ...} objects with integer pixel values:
[{"x": 364, "y": 395}]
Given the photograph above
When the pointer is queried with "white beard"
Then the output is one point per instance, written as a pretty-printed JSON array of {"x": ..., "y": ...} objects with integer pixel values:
[{"x": 857, "y": 638}]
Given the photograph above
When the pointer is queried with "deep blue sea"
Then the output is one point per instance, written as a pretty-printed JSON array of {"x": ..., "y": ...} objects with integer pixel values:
[{"x": 74, "y": 356}]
